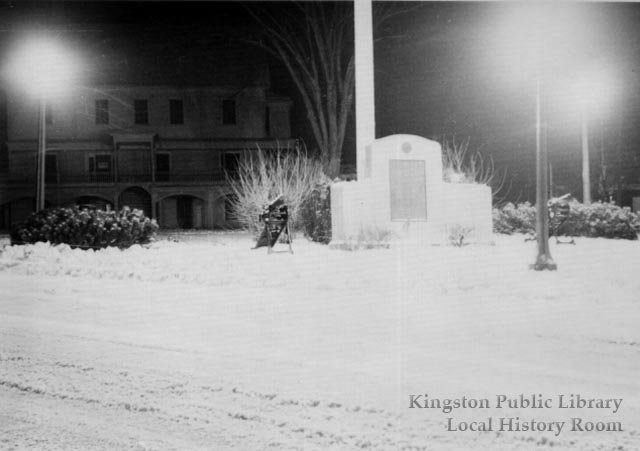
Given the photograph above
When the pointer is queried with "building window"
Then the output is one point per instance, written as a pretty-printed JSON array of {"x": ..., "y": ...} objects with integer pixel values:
[
  {"x": 231, "y": 163},
  {"x": 100, "y": 168},
  {"x": 163, "y": 167},
  {"x": 48, "y": 114},
  {"x": 102, "y": 111},
  {"x": 267, "y": 122},
  {"x": 176, "y": 112},
  {"x": 51, "y": 168},
  {"x": 141, "y": 111},
  {"x": 229, "y": 112}
]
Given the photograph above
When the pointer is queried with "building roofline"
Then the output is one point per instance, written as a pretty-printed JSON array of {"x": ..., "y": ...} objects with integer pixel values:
[{"x": 168, "y": 86}]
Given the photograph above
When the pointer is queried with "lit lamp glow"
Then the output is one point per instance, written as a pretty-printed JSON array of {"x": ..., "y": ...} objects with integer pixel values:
[{"x": 43, "y": 67}]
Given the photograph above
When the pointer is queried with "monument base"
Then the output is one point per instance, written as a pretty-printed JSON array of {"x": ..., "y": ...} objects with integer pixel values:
[
  {"x": 464, "y": 217},
  {"x": 403, "y": 197}
]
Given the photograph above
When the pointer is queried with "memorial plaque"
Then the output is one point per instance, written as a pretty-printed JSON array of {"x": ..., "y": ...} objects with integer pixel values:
[{"x": 407, "y": 183}]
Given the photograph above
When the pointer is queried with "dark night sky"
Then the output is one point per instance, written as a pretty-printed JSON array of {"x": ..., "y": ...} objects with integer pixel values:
[
  {"x": 444, "y": 73},
  {"x": 438, "y": 71}
]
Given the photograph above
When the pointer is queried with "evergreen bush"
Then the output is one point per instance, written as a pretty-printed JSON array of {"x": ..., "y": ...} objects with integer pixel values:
[
  {"x": 599, "y": 219},
  {"x": 86, "y": 228},
  {"x": 604, "y": 219},
  {"x": 520, "y": 218}
]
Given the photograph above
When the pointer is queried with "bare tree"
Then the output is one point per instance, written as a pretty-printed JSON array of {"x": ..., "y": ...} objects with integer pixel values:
[{"x": 314, "y": 40}]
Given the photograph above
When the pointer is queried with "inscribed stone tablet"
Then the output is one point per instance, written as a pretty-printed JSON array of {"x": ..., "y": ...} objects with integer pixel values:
[{"x": 407, "y": 185}]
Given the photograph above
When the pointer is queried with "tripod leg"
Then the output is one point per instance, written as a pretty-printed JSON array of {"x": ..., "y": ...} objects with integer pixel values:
[
  {"x": 288, "y": 237},
  {"x": 269, "y": 240}
]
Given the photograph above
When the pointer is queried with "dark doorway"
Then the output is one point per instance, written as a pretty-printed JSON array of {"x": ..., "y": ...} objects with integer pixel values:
[{"x": 184, "y": 212}]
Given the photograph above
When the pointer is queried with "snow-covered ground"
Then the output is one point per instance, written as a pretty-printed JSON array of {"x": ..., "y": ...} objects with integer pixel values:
[{"x": 204, "y": 344}]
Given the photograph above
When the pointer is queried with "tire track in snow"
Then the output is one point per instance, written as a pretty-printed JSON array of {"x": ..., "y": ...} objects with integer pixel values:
[
  {"x": 54, "y": 374},
  {"x": 149, "y": 396}
]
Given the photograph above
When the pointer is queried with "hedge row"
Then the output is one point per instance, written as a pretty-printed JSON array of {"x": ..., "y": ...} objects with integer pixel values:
[
  {"x": 595, "y": 220},
  {"x": 86, "y": 228}
]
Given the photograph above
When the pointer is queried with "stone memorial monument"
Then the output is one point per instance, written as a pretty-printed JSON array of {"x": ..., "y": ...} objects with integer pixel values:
[{"x": 402, "y": 192}]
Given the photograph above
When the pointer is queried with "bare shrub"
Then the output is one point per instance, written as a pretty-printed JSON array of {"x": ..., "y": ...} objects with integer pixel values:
[
  {"x": 457, "y": 234},
  {"x": 462, "y": 166},
  {"x": 263, "y": 175}
]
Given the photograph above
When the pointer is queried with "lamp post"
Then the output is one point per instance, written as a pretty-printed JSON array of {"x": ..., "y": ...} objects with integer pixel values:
[
  {"x": 545, "y": 39},
  {"x": 42, "y": 67},
  {"x": 42, "y": 154},
  {"x": 543, "y": 259},
  {"x": 586, "y": 177},
  {"x": 594, "y": 88},
  {"x": 560, "y": 44}
]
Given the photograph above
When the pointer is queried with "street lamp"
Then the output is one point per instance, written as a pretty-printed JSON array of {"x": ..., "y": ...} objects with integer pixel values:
[
  {"x": 592, "y": 88},
  {"x": 43, "y": 67},
  {"x": 541, "y": 39},
  {"x": 586, "y": 170}
]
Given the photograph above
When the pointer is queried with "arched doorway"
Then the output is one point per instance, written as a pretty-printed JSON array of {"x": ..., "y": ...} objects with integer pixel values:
[
  {"x": 182, "y": 212},
  {"x": 137, "y": 198},
  {"x": 223, "y": 214}
]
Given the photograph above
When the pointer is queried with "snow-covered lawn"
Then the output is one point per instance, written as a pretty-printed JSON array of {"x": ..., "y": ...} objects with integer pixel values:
[{"x": 204, "y": 344}]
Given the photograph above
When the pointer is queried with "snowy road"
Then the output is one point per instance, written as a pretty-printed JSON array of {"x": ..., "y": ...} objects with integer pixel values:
[{"x": 212, "y": 348}]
